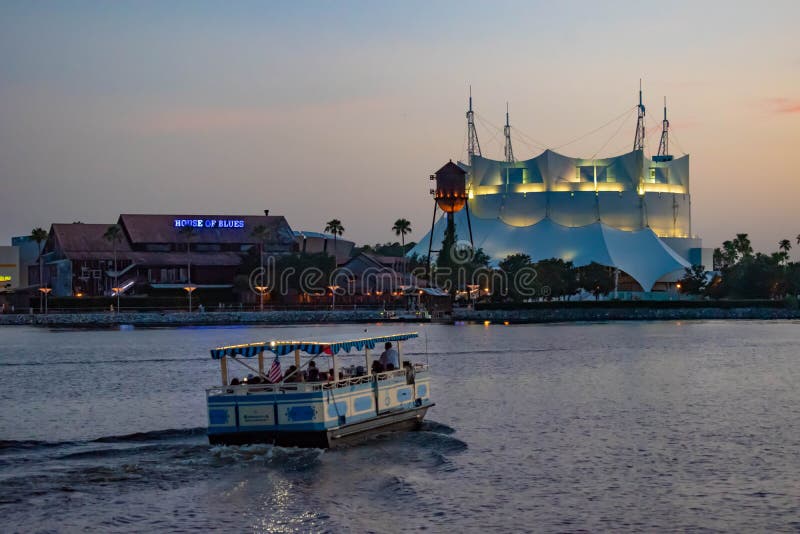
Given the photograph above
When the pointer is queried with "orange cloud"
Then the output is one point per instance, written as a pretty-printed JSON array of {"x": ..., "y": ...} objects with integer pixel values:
[{"x": 784, "y": 105}]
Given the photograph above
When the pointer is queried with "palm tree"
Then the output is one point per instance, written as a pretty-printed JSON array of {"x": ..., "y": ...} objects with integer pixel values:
[
  {"x": 402, "y": 227},
  {"x": 743, "y": 246},
  {"x": 334, "y": 226},
  {"x": 784, "y": 245},
  {"x": 40, "y": 236},
  {"x": 113, "y": 235},
  {"x": 188, "y": 233},
  {"x": 261, "y": 233},
  {"x": 798, "y": 239},
  {"x": 729, "y": 253}
]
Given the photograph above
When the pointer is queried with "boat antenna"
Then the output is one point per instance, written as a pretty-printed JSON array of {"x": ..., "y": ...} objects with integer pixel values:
[
  {"x": 507, "y": 132},
  {"x": 473, "y": 145},
  {"x": 638, "y": 142},
  {"x": 427, "y": 360}
]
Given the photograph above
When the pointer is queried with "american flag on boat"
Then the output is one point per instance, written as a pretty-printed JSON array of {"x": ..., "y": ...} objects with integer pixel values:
[{"x": 275, "y": 375}]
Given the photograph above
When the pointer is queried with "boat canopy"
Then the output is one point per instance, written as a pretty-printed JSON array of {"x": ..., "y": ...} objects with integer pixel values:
[{"x": 280, "y": 348}]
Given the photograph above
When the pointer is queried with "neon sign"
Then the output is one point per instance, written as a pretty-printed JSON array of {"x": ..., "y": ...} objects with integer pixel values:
[
  {"x": 208, "y": 223},
  {"x": 5, "y": 278}
]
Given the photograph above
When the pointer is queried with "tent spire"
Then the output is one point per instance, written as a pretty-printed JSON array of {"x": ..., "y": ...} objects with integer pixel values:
[
  {"x": 507, "y": 131},
  {"x": 473, "y": 146},
  {"x": 663, "y": 145},
  {"x": 638, "y": 142}
]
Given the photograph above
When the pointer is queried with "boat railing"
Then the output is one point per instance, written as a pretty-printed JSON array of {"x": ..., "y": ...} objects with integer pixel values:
[{"x": 310, "y": 387}]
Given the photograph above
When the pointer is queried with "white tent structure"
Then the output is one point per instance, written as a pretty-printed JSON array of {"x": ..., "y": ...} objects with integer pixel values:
[
  {"x": 639, "y": 253},
  {"x": 629, "y": 212}
]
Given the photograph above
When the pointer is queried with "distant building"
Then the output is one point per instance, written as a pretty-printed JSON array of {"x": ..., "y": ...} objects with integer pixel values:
[
  {"x": 28, "y": 255},
  {"x": 316, "y": 242},
  {"x": 154, "y": 252},
  {"x": 9, "y": 268}
]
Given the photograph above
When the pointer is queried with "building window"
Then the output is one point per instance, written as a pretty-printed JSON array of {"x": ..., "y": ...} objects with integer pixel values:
[
  {"x": 516, "y": 176},
  {"x": 586, "y": 174},
  {"x": 659, "y": 175},
  {"x": 594, "y": 173}
]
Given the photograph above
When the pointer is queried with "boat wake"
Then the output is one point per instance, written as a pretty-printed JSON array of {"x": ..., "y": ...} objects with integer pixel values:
[{"x": 47, "y": 471}]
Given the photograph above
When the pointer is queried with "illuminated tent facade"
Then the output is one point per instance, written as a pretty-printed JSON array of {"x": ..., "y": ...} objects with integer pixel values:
[{"x": 612, "y": 211}]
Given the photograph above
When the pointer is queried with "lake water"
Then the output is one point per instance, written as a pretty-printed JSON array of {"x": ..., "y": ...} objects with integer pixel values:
[{"x": 541, "y": 428}]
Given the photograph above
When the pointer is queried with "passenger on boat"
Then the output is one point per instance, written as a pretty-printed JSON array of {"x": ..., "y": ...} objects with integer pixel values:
[
  {"x": 330, "y": 375},
  {"x": 235, "y": 381},
  {"x": 313, "y": 372},
  {"x": 377, "y": 367},
  {"x": 252, "y": 379},
  {"x": 390, "y": 358},
  {"x": 292, "y": 375}
]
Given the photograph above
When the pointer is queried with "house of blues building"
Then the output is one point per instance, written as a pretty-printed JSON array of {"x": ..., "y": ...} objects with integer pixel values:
[{"x": 156, "y": 252}]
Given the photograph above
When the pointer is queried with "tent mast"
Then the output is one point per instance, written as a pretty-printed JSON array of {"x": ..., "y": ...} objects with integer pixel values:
[
  {"x": 473, "y": 146},
  {"x": 663, "y": 145},
  {"x": 638, "y": 142},
  {"x": 507, "y": 131}
]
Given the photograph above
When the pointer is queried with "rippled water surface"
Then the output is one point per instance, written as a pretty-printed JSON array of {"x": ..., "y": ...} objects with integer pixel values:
[{"x": 616, "y": 427}]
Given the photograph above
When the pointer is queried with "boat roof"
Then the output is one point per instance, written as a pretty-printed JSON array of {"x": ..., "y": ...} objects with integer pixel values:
[{"x": 313, "y": 347}]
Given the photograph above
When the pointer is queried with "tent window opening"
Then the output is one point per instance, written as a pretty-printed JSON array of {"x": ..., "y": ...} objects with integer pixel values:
[
  {"x": 516, "y": 176},
  {"x": 586, "y": 174},
  {"x": 659, "y": 175},
  {"x": 594, "y": 174}
]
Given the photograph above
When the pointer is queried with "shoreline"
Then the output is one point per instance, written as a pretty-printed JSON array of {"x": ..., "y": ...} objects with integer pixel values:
[{"x": 526, "y": 316}]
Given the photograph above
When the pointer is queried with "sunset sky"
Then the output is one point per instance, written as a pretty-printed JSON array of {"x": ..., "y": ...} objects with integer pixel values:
[{"x": 342, "y": 110}]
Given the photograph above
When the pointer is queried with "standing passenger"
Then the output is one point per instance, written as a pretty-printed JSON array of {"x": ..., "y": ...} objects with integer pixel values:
[{"x": 390, "y": 357}]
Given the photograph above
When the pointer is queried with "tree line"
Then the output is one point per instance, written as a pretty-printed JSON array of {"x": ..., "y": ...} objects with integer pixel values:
[{"x": 739, "y": 272}]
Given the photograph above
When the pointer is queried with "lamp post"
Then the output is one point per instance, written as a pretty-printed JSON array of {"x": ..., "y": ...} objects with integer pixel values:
[
  {"x": 261, "y": 291},
  {"x": 116, "y": 291},
  {"x": 189, "y": 288},
  {"x": 473, "y": 289},
  {"x": 45, "y": 291},
  {"x": 333, "y": 296}
]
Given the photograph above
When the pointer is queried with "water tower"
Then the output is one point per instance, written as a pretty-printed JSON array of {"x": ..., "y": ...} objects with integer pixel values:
[{"x": 450, "y": 196}]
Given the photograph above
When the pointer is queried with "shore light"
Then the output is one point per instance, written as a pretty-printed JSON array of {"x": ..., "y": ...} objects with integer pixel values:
[
  {"x": 333, "y": 289},
  {"x": 45, "y": 291},
  {"x": 190, "y": 288},
  {"x": 261, "y": 291}
]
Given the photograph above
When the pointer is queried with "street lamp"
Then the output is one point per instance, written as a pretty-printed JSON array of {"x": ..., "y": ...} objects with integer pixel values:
[
  {"x": 333, "y": 296},
  {"x": 473, "y": 289},
  {"x": 189, "y": 290},
  {"x": 45, "y": 291},
  {"x": 261, "y": 291},
  {"x": 117, "y": 291}
]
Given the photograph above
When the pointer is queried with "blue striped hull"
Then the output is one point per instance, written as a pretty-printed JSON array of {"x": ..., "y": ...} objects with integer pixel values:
[{"x": 312, "y": 418}]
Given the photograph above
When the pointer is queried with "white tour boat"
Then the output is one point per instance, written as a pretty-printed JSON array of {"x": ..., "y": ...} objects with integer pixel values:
[{"x": 305, "y": 406}]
